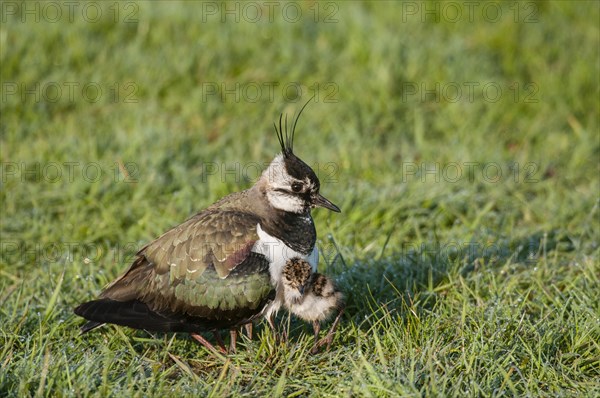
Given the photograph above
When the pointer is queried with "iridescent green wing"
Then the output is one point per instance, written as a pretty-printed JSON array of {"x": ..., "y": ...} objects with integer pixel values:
[
  {"x": 202, "y": 268},
  {"x": 221, "y": 239}
]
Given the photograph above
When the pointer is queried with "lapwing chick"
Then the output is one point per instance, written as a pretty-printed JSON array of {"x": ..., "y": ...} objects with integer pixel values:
[
  {"x": 221, "y": 268},
  {"x": 311, "y": 296}
]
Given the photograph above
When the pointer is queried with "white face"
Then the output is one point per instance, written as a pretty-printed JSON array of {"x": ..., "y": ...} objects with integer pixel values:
[
  {"x": 280, "y": 188},
  {"x": 285, "y": 202}
]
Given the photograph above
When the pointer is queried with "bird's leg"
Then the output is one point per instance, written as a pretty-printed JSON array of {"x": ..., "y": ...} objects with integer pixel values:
[
  {"x": 286, "y": 330},
  {"x": 233, "y": 337},
  {"x": 328, "y": 339},
  {"x": 206, "y": 343},
  {"x": 220, "y": 341},
  {"x": 248, "y": 328},
  {"x": 269, "y": 320},
  {"x": 317, "y": 329}
]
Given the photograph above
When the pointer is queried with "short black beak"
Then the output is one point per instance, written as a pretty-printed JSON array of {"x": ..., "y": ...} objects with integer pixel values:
[
  {"x": 301, "y": 290},
  {"x": 321, "y": 201}
]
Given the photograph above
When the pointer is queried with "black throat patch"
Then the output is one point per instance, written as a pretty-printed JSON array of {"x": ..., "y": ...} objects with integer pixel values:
[{"x": 297, "y": 231}]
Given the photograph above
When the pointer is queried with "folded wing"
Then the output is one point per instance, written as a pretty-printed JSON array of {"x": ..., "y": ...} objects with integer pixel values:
[{"x": 201, "y": 274}]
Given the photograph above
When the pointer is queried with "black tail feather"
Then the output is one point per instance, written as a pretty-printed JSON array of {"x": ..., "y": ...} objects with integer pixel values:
[
  {"x": 132, "y": 313},
  {"x": 91, "y": 325}
]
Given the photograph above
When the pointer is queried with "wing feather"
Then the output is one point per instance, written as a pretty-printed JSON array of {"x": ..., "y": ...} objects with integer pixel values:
[
  {"x": 203, "y": 269},
  {"x": 222, "y": 239}
]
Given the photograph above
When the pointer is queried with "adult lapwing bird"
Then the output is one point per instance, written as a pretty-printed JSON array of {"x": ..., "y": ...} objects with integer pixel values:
[
  {"x": 221, "y": 268},
  {"x": 311, "y": 296}
]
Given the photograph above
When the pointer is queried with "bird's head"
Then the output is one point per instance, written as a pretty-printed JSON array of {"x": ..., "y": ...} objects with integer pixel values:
[
  {"x": 290, "y": 184},
  {"x": 295, "y": 277}
]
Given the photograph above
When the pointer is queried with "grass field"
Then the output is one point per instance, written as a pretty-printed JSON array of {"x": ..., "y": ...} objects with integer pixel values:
[{"x": 461, "y": 141}]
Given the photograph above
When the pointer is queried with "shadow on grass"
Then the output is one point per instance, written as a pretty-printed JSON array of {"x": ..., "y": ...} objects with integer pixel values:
[{"x": 410, "y": 276}]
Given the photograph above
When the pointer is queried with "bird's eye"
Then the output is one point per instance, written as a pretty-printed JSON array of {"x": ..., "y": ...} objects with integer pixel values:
[{"x": 296, "y": 187}]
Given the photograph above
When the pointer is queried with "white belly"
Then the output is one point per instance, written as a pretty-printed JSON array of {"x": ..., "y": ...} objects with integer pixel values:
[{"x": 278, "y": 253}]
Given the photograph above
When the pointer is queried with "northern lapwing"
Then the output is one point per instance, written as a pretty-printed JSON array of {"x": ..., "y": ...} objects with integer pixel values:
[
  {"x": 221, "y": 268},
  {"x": 311, "y": 296}
]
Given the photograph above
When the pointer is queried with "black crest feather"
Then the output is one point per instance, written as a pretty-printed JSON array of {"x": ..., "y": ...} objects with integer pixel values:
[{"x": 286, "y": 139}]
